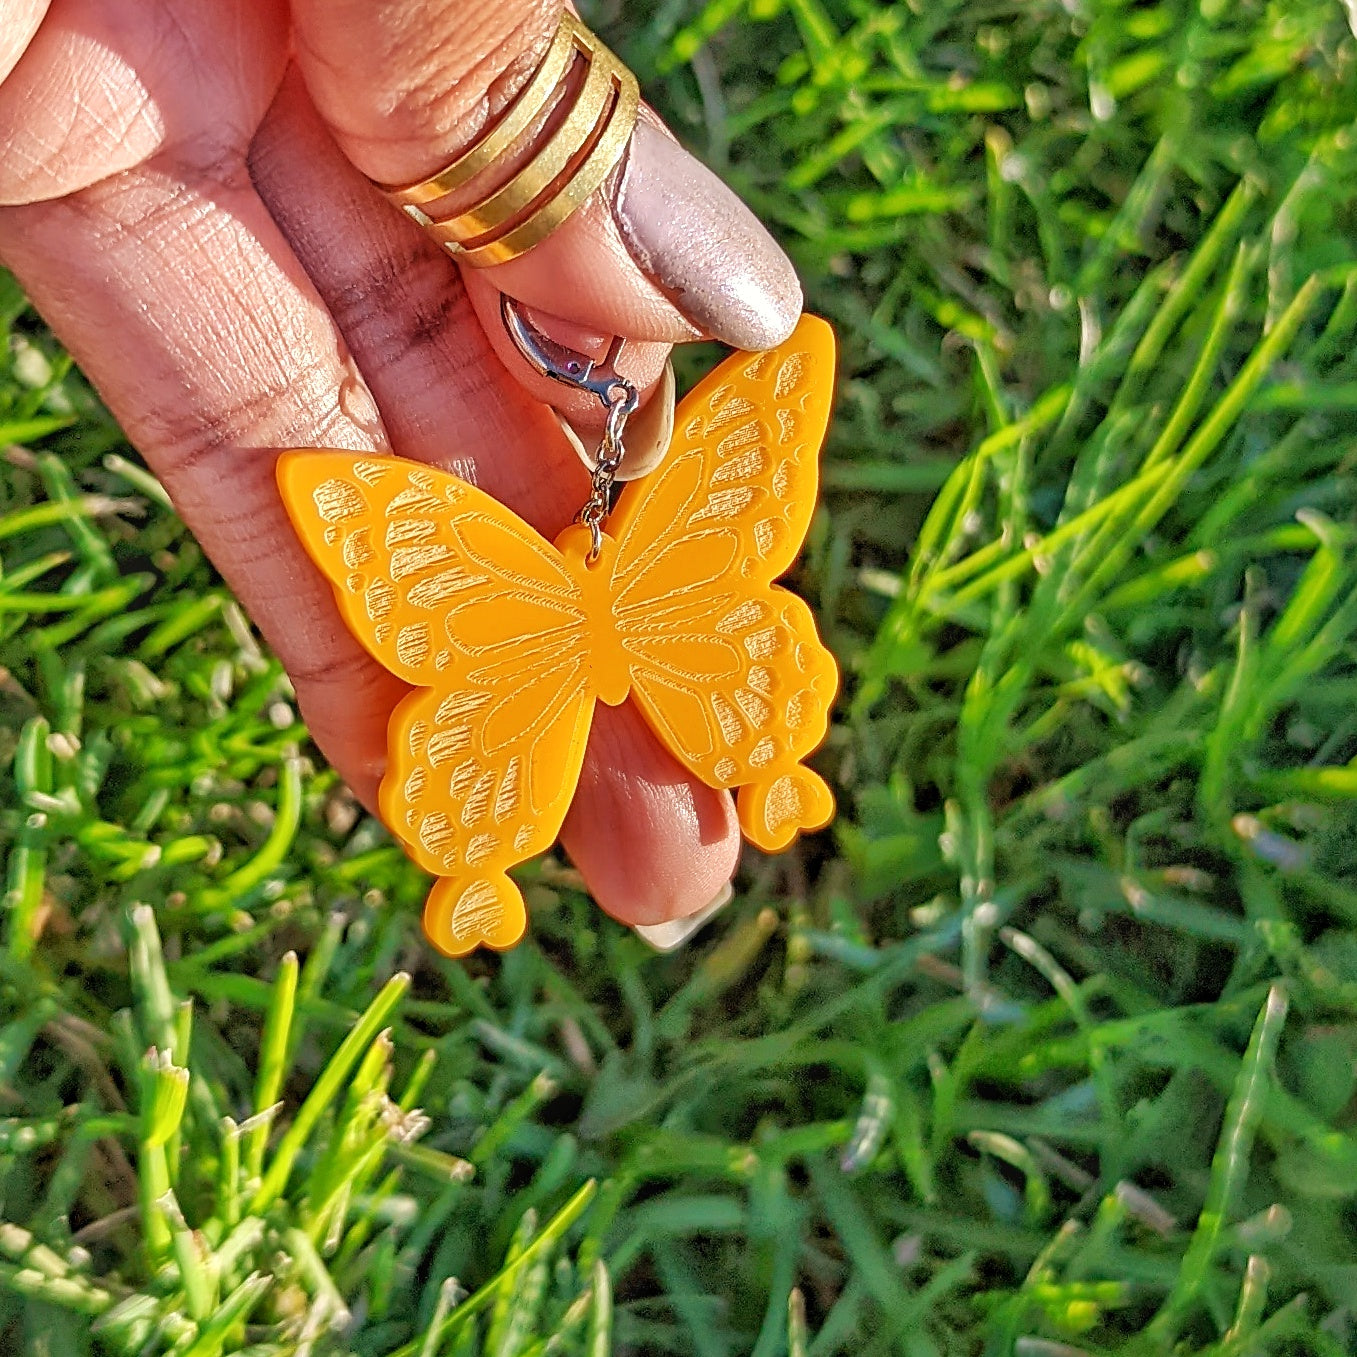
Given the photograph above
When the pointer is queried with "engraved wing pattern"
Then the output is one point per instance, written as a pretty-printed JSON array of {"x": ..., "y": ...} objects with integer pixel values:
[
  {"x": 728, "y": 667},
  {"x": 455, "y": 594}
]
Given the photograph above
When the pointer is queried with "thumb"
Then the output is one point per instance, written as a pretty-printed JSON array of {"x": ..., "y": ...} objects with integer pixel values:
[{"x": 663, "y": 252}]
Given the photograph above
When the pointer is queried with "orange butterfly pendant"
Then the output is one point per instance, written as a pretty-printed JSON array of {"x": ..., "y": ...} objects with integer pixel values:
[{"x": 509, "y": 640}]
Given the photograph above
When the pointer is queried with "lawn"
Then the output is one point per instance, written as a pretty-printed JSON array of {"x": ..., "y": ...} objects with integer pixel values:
[{"x": 1047, "y": 1048}]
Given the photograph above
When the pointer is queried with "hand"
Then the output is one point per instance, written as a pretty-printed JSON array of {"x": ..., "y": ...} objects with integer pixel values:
[{"x": 186, "y": 208}]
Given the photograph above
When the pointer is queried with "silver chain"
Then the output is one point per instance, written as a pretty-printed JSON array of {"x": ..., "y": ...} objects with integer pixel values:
[
  {"x": 596, "y": 375},
  {"x": 622, "y": 399}
]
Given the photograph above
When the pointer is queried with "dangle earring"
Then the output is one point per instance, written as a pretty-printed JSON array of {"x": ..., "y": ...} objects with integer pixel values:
[
  {"x": 602, "y": 379},
  {"x": 667, "y": 599}
]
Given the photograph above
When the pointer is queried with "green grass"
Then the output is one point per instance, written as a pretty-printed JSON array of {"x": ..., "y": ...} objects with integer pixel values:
[{"x": 1049, "y": 1048}]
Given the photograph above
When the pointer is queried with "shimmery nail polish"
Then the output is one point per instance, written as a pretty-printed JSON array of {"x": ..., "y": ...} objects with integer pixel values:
[{"x": 702, "y": 247}]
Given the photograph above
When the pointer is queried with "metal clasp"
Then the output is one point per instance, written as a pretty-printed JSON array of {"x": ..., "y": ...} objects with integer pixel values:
[
  {"x": 566, "y": 365},
  {"x": 619, "y": 398}
]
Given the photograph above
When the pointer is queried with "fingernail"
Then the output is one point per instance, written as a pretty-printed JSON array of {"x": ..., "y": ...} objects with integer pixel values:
[
  {"x": 671, "y": 936},
  {"x": 702, "y": 247}
]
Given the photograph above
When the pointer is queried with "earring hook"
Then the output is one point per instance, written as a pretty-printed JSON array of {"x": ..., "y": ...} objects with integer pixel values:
[
  {"x": 563, "y": 364},
  {"x": 618, "y": 395}
]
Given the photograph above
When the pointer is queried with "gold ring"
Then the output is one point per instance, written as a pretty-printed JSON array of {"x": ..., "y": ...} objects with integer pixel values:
[{"x": 566, "y": 170}]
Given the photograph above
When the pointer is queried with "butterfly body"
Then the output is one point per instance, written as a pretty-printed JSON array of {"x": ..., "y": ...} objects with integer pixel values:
[
  {"x": 609, "y": 673},
  {"x": 509, "y": 641}
]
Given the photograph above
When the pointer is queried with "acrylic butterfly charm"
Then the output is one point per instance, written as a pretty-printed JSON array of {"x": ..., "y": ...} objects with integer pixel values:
[{"x": 509, "y": 640}]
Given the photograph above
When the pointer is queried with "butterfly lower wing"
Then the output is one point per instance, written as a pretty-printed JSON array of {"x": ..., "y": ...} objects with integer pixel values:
[
  {"x": 479, "y": 780},
  {"x": 742, "y": 704},
  {"x": 453, "y": 593},
  {"x": 729, "y": 668}
]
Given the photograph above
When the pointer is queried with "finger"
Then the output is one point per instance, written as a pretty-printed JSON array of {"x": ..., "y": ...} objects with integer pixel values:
[
  {"x": 106, "y": 84},
  {"x": 21, "y": 20},
  {"x": 663, "y": 251},
  {"x": 643, "y": 363},
  {"x": 652, "y": 843}
]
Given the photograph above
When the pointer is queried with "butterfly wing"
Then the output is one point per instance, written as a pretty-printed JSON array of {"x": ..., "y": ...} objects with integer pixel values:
[
  {"x": 453, "y": 593},
  {"x": 728, "y": 668},
  {"x": 480, "y": 779}
]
